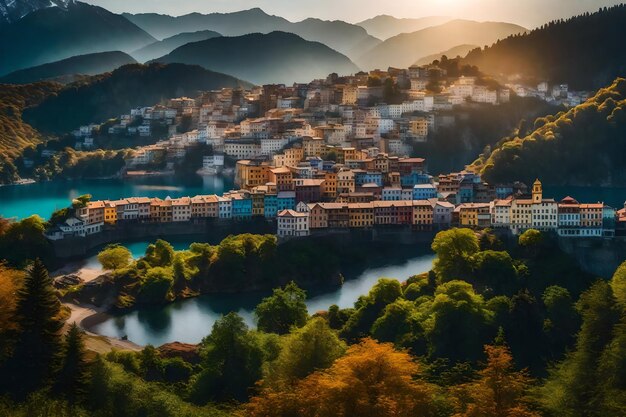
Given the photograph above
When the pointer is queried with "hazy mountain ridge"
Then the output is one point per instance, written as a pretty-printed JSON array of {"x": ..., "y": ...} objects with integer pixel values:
[
  {"x": 459, "y": 50},
  {"x": 55, "y": 33},
  {"x": 89, "y": 64},
  {"x": 343, "y": 37},
  {"x": 13, "y": 10},
  {"x": 277, "y": 57},
  {"x": 586, "y": 51},
  {"x": 404, "y": 50},
  {"x": 167, "y": 45},
  {"x": 385, "y": 26},
  {"x": 108, "y": 95}
]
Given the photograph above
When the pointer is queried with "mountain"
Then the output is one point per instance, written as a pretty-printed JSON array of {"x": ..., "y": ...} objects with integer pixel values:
[
  {"x": 108, "y": 95},
  {"x": 277, "y": 57},
  {"x": 15, "y": 134},
  {"x": 12, "y": 10},
  {"x": 344, "y": 37},
  {"x": 586, "y": 51},
  {"x": 54, "y": 33},
  {"x": 403, "y": 50},
  {"x": 160, "y": 48},
  {"x": 584, "y": 146},
  {"x": 385, "y": 26},
  {"x": 459, "y": 50},
  {"x": 90, "y": 64}
]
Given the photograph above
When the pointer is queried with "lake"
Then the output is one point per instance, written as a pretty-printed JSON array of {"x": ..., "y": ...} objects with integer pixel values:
[
  {"x": 43, "y": 198},
  {"x": 188, "y": 321}
]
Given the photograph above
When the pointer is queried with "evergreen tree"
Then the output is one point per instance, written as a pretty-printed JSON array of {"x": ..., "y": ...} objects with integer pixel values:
[
  {"x": 72, "y": 377},
  {"x": 38, "y": 340}
]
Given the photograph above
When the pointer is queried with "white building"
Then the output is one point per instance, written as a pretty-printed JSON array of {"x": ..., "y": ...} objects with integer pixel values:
[{"x": 292, "y": 223}]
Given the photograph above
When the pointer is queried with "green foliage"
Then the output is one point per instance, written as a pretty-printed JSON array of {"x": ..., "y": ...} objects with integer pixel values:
[
  {"x": 454, "y": 249},
  {"x": 399, "y": 324},
  {"x": 618, "y": 285},
  {"x": 282, "y": 310},
  {"x": 72, "y": 377},
  {"x": 160, "y": 253},
  {"x": 580, "y": 51},
  {"x": 306, "y": 350},
  {"x": 531, "y": 238},
  {"x": 232, "y": 362},
  {"x": 156, "y": 286},
  {"x": 24, "y": 240},
  {"x": 115, "y": 257},
  {"x": 582, "y": 383},
  {"x": 37, "y": 342},
  {"x": 587, "y": 140}
]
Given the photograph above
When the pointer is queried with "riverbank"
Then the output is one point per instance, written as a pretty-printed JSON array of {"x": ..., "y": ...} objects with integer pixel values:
[{"x": 86, "y": 317}]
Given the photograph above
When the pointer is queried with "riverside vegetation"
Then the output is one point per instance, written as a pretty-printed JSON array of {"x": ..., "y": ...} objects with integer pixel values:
[{"x": 495, "y": 329}]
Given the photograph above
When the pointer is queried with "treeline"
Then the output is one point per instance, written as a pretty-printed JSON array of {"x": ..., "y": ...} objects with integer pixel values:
[
  {"x": 108, "y": 95},
  {"x": 451, "y": 148},
  {"x": 585, "y": 145},
  {"x": 495, "y": 329},
  {"x": 15, "y": 134},
  {"x": 238, "y": 263},
  {"x": 585, "y": 51}
]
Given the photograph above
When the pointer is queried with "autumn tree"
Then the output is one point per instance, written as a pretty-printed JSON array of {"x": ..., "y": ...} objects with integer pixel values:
[
  {"x": 282, "y": 310},
  {"x": 9, "y": 284},
  {"x": 371, "y": 380},
  {"x": 500, "y": 390}
]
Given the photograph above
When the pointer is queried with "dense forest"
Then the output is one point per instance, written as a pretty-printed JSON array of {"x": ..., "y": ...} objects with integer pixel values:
[
  {"x": 585, "y": 145},
  {"x": 108, "y": 95},
  {"x": 585, "y": 51},
  {"x": 495, "y": 329}
]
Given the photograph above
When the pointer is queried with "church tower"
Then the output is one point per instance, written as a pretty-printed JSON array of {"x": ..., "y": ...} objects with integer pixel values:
[{"x": 537, "y": 192}]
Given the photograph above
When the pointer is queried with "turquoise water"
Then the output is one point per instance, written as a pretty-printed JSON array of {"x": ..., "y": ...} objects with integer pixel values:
[
  {"x": 188, "y": 321},
  {"x": 613, "y": 196},
  {"x": 21, "y": 201}
]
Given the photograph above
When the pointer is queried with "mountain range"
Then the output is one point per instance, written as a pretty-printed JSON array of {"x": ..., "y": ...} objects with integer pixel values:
[
  {"x": 385, "y": 26},
  {"x": 404, "y": 50},
  {"x": 167, "y": 45},
  {"x": 586, "y": 51},
  {"x": 55, "y": 33},
  {"x": 277, "y": 57},
  {"x": 457, "y": 51},
  {"x": 89, "y": 64},
  {"x": 108, "y": 95},
  {"x": 343, "y": 37},
  {"x": 12, "y": 10}
]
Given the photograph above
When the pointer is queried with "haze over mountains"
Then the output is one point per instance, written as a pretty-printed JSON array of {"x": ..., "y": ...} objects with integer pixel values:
[
  {"x": 55, "y": 33},
  {"x": 385, "y": 26},
  {"x": 459, "y": 50},
  {"x": 164, "y": 47},
  {"x": 89, "y": 64},
  {"x": 404, "y": 50},
  {"x": 277, "y": 57},
  {"x": 344, "y": 37}
]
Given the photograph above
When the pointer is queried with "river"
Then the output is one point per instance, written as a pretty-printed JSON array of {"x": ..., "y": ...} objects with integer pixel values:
[
  {"x": 190, "y": 320},
  {"x": 20, "y": 201}
]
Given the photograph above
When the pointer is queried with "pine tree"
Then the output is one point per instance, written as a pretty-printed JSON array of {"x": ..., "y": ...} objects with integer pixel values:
[
  {"x": 71, "y": 379},
  {"x": 38, "y": 339}
]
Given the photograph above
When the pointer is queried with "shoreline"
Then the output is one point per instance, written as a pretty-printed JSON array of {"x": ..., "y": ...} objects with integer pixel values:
[{"x": 87, "y": 316}]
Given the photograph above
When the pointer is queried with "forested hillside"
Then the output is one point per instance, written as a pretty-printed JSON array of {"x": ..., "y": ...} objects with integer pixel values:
[
  {"x": 584, "y": 146},
  {"x": 586, "y": 51}
]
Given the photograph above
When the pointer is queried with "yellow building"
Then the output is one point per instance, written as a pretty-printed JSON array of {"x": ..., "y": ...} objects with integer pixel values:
[{"x": 249, "y": 174}]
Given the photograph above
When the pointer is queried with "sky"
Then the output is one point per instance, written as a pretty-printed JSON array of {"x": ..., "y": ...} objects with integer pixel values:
[{"x": 528, "y": 13}]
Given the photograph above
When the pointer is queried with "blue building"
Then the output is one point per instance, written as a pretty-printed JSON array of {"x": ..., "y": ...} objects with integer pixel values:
[
  {"x": 364, "y": 177},
  {"x": 242, "y": 206},
  {"x": 413, "y": 179},
  {"x": 424, "y": 192},
  {"x": 286, "y": 200},
  {"x": 270, "y": 205}
]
